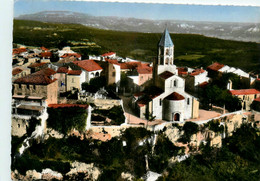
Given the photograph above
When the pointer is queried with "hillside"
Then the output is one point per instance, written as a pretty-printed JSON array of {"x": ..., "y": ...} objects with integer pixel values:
[{"x": 190, "y": 50}]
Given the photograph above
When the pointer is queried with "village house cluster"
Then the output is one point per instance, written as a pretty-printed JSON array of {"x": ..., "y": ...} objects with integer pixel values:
[{"x": 159, "y": 89}]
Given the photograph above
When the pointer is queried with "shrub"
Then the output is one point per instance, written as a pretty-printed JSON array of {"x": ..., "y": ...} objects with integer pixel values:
[{"x": 65, "y": 119}]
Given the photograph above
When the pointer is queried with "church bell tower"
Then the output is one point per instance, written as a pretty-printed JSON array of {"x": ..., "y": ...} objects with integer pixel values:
[{"x": 165, "y": 60}]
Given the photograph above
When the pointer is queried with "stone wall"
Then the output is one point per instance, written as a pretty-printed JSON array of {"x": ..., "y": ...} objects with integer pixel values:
[{"x": 19, "y": 126}]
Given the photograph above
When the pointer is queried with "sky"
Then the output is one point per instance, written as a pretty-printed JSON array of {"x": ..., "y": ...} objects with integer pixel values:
[{"x": 144, "y": 10}]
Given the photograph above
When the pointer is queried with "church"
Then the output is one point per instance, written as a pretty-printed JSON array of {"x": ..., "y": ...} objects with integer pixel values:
[{"x": 164, "y": 96}]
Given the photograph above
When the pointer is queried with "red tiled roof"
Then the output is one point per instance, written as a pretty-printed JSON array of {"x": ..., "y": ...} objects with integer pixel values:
[
  {"x": 257, "y": 99},
  {"x": 45, "y": 49},
  {"x": 36, "y": 79},
  {"x": 215, "y": 66},
  {"x": 108, "y": 54},
  {"x": 142, "y": 103},
  {"x": 74, "y": 72},
  {"x": 244, "y": 92},
  {"x": 166, "y": 75},
  {"x": 145, "y": 70},
  {"x": 19, "y": 50},
  {"x": 68, "y": 105},
  {"x": 203, "y": 84},
  {"x": 46, "y": 71},
  {"x": 182, "y": 71},
  {"x": 71, "y": 55},
  {"x": 111, "y": 61},
  {"x": 62, "y": 70},
  {"x": 46, "y": 54},
  {"x": 175, "y": 96},
  {"x": 88, "y": 65},
  {"x": 16, "y": 71},
  {"x": 197, "y": 72},
  {"x": 36, "y": 65},
  {"x": 130, "y": 65}
]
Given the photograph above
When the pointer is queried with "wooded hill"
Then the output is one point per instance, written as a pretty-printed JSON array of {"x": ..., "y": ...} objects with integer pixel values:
[{"x": 190, "y": 50}]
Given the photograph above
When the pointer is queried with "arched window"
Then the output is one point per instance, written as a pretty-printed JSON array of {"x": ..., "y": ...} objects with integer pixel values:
[
  {"x": 97, "y": 74},
  {"x": 167, "y": 51}
]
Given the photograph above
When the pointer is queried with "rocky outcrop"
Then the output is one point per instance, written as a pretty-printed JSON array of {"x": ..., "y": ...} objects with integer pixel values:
[
  {"x": 87, "y": 170},
  {"x": 49, "y": 174},
  {"x": 127, "y": 176}
]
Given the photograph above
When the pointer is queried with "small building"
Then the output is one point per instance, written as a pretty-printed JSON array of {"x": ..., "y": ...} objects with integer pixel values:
[
  {"x": 90, "y": 67},
  {"x": 247, "y": 96}
]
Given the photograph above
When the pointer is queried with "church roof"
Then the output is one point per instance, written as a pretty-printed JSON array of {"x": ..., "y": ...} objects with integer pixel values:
[
  {"x": 175, "y": 96},
  {"x": 166, "y": 40},
  {"x": 166, "y": 74}
]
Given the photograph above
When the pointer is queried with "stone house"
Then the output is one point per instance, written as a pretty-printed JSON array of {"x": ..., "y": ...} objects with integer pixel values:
[
  {"x": 90, "y": 67},
  {"x": 39, "y": 84},
  {"x": 195, "y": 78},
  {"x": 247, "y": 96}
]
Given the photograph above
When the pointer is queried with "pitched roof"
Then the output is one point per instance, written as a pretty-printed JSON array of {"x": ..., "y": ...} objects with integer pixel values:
[
  {"x": 145, "y": 70},
  {"x": 166, "y": 40},
  {"x": 19, "y": 50},
  {"x": 88, "y": 65},
  {"x": 244, "y": 92},
  {"x": 35, "y": 79},
  {"x": 46, "y": 71},
  {"x": 129, "y": 65},
  {"x": 67, "y": 105},
  {"x": 46, "y": 54},
  {"x": 166, "y": 75},
  {"x": 62, "y": 70},
  {"x": 108, "y": 54},
  {"x": 182, "y": 71},
  {"x": 175, "y": 97},
  {"x": 45, "y": 49},
  {"x": 74, "y": 72},
  {"x": 197, "y": 72},
  {"x": 215, "y": 66},
  {"x": 16, "y": 71},
  {"x": 257, "y": 99},
  {"x": 71, "y": 55},
  {"x": 36, "y": 65},
  {"x": 113, "y": 61},
  {"x": 203, "y": 84}
]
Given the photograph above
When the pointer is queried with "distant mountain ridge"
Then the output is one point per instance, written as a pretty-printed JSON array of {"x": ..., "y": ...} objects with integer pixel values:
[{"x": 223, "y": 30}]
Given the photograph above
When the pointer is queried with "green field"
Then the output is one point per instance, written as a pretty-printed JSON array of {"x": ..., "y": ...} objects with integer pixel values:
[{"x": 190, "y": 50}]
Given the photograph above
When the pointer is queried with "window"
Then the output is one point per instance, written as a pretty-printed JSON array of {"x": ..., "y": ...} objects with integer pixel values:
[
  {"x": 20, "y": 86},
  {"x": 114, "y": 74},
  {"x": 175, "y": 83},
  {"x": 160, "y": 102},
  {"x": 167, "y": 51},
  {"x": 167, "y": 61},
  {"x": 72, "y": 80},
  {"x": 255, "y": 96},
  {"x": 34, "y": 87},
  {"x": 27, "y": 86},
  {"x": 18, "y": 125},
  {"x": 188, "y": 101}
]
